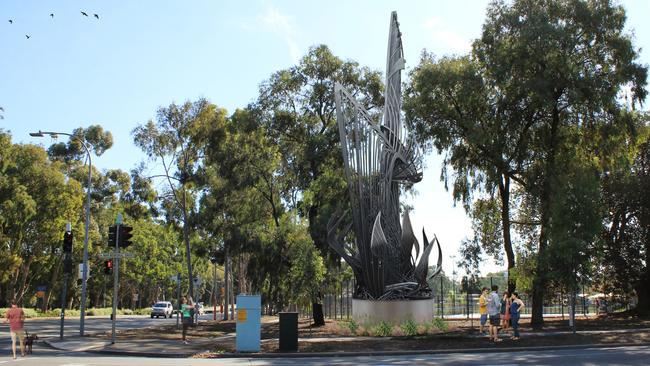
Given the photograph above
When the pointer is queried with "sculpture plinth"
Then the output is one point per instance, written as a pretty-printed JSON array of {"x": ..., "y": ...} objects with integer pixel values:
[
  {"x": 388, "y": 262},
  {"x": 395, "y": 312}
]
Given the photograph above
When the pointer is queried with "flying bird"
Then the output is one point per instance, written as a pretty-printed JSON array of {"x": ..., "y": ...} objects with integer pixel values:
[
  {"x": 11, "y": 21},
  {"x": 2, "y": 109},
  {"x": 96, "y": 16},
  {"x": 52, "y": 15},
  {"x": 84, "y": 13},
  {"x": 27, "y": 35}
]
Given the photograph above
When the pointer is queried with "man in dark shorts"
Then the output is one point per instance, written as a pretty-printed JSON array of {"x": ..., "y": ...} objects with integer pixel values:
[
  {"x": 493, "y": 308},
  {"x": 16, "y": 318}
]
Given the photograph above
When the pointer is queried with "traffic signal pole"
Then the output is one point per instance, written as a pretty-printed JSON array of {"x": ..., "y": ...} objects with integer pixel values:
[
  {"x": 66, "y": 274},
  {"x": 116, "y": 271},
  {"x": 63, "y": 296}
]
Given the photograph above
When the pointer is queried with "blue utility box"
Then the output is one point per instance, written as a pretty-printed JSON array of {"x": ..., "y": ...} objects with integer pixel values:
[{"x": 249, "y": 309}]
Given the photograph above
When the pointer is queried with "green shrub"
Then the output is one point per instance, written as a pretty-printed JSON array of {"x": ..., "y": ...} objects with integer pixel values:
[
  {"x": 353, "y": 326},
  {"x": 383, "y": 329},
  {"x": 30, "y": 313},
  {"x": 99, "y": 311},
  {"x": 143, "y": 311},
  {"x": 440, "y": 324},
  {"x": 410, "y": 328}
]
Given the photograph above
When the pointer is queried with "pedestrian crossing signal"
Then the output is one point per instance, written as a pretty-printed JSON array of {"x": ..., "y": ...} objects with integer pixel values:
[{"x": 108, "y": 266}]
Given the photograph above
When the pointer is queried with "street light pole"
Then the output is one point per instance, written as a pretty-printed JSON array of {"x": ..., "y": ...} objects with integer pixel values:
[{"x": 85, "y": 255}]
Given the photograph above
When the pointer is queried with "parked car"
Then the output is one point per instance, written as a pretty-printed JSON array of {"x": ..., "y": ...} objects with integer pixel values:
[{"x": 162, "y": 308}]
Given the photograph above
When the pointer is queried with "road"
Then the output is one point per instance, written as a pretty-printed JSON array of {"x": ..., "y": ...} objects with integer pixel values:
[
  {"x": 49, "y": 328},
  {"x": 603, "y": 356}
]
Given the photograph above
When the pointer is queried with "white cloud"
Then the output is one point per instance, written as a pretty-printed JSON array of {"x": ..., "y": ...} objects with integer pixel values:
[
  {"x": 446, "y": 37},
  {"x": 281, "y": 24}
]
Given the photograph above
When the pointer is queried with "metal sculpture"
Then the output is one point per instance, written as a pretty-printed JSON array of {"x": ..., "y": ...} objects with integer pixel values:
[{"x": 378, "y": 157}]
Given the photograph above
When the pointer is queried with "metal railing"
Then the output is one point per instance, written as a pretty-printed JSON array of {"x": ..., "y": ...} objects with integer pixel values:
[{"x": 459, "y": 305}]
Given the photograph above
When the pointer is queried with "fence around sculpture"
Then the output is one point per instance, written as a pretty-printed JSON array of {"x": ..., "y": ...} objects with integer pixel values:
[{"x": 463, "y": 306}]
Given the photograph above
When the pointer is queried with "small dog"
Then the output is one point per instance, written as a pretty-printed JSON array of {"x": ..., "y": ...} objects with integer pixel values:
[{"x": 29, "y": 341}]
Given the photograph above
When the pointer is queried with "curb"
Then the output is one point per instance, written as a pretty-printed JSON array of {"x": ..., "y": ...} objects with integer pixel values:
[
  {"x": 422, "y": 352},
  {"x": 352, "y": 354}
]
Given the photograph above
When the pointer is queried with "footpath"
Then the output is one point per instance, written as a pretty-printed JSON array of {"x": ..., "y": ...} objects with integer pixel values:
[{"x": 151, "y": 347}]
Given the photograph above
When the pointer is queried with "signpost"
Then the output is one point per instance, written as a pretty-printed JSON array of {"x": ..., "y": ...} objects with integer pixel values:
[
  {"x": 116, "y": 255},
  {"x": 116, "y": 271},
  {"x": 67, "y": 268},
  {"x": 177, "y": 278}
]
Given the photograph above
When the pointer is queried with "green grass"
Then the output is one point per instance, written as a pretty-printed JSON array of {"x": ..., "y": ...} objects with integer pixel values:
[
  {"x": 56, "y": 312},
  {"x": 384, "y": 329},
  {"x": 410, "y": 328}
]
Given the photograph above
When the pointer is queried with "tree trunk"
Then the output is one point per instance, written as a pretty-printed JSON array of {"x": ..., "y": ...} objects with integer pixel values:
[
  {"x": 226, "y": 285},
  {"x": 504, "y": 193},
  {"x": 317, "y": 306},
  {"x": 540, "y": 281},
  {"x": 50, "y": 288},
  {"x": 317, "y": 313},
  {"x": 642, "y": 289},
  {"x": 186, "y": 239}
]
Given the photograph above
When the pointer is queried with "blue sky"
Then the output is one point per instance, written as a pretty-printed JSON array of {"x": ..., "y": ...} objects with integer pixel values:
[{"x": 116, "y": 71}]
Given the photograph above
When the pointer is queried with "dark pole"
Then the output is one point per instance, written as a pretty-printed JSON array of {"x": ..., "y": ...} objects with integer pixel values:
[
  {"x": 341, "y": 299},
  {"x": 442, "y": 299},
  {"x": 467, "y": 305},
  {"x": 116, "y": 271},
  {"x": 178, "y": 298},
  {"x": 63, "y": 296},
  {"x": 584, "y": 302}
]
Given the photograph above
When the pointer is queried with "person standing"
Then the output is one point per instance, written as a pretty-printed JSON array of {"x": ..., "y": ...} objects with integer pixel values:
[
  {"x": 505, "y": 311},
  {"x": 482, "y": 309},
  {"x": 16, "y": 318},
  {"x": 186, "y": 316},
  {"x": 493, "y": 308},
  {"x": 516, "y": 307}
]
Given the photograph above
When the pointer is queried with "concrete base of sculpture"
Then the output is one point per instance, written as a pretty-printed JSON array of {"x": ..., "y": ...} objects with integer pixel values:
[{"x": 394, "y": 312}]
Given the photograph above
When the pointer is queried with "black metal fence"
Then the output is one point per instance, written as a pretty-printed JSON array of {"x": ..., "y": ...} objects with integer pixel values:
[{"x": 461, "y": 305}]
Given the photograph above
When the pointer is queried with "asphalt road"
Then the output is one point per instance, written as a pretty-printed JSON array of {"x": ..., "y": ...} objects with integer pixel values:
[
  {"x": 50, "y": 328},
  {"x": 603, "y": 356}
]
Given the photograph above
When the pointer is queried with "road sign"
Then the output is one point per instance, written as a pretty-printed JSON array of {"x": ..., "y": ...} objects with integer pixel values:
[
  {"x": 81, "y": 269},
  {"x": 119, "y": 255}
]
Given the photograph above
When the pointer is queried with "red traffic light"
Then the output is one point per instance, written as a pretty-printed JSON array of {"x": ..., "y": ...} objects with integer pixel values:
[{"x": 108, "y": 266}]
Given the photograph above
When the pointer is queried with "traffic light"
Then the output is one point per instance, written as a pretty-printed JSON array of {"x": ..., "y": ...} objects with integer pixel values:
[
  {"x": 217, "y": 256},
  {"x": 125, "y": 236},
  {"x": 111, "y": 236},
  {"x": 108, "y": 266},
  {"x": 67, "y": 242}
]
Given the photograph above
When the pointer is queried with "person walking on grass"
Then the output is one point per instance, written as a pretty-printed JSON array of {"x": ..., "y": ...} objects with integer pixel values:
[
  {"x": 482, "y": 309},
  {"x": 516, "y": 307},
  {"x": 16, "y": 318},
  {"x": 493, "y": 308},
  {"x": 186, "y": 315}
]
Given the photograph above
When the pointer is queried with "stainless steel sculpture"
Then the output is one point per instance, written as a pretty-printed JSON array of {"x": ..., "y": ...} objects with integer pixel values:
[{"x": 378, "y": 157}]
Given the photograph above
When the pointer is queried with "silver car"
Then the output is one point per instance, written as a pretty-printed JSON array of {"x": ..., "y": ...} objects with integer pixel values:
[{"x": 162, "y": 308}]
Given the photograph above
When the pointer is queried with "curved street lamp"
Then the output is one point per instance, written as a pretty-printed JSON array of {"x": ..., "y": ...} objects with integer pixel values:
[{"x": 85, "y": 257}]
